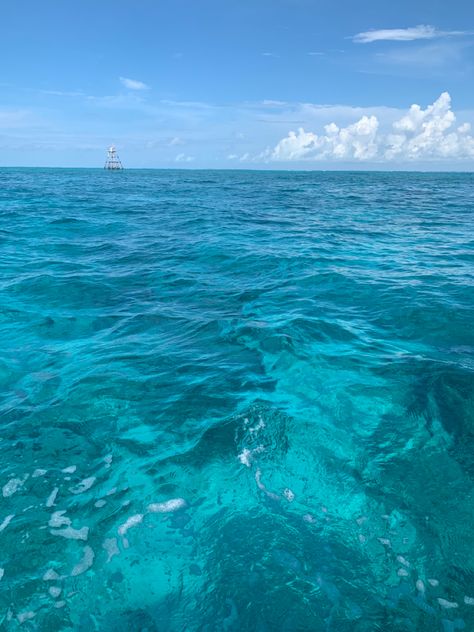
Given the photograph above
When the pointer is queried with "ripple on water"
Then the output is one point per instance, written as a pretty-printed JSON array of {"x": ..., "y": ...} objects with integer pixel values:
[{"x": 248, "y": 396}]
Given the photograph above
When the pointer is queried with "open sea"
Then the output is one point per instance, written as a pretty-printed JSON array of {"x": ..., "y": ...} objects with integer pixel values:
[{"x": 236, "y": 401}]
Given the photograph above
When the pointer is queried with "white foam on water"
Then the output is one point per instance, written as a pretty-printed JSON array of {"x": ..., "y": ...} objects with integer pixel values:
[
  {"x": 13, "y": 486},
  {"x": 100, "y": 503},
  {"x": 403, "y": 561},
  {"x": 69, "y": 470},
  {"x": 25, "y": 616},
  {"x": 259, "y": 426},
  {"x": 272, "y": 495},
  {"x": 2, "y": 573},
  {"x": 86, "y": 562},
  {"x": 111, "y": 491},
  {"x": 72, "y": 534},
  {"x": 55, "y": 591},
  {"x": 133, "y": 521},
  {"x": 168, "y": 506},
  {"x": 402, "y": 572},
  {"x": 433, "y": 582},
  {"x": 258, "y": 480},
  {"x": 469, "y": 601},
  {"x": 52, "y": 497},
  {"x": 260, "y": 485},
  {"x": 108, "y": 460},
  {"x": 60, "y": 604},
  {"x": 83, "y": 486},
  {"x": 39, "y": 472},
  {"x": 6, "y": 522},
  {"x": 309, "y": 518},
  {"x": 111, "y": 547},
  {"x": 50, "y": 576},
  {"x": 58, "y": 519},
  {"x": 244, "y": 457},
  {"x": 420, "y": 585},
  {"x": 444, "y": 603},
  {"x": 288, "y": 494}
]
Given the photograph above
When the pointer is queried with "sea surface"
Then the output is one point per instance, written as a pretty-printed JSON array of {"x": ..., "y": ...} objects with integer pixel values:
[{"x": 236, "y": 401}]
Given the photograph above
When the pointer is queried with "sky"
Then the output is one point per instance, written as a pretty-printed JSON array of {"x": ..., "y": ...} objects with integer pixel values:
[{"x": 238, "y": 84}]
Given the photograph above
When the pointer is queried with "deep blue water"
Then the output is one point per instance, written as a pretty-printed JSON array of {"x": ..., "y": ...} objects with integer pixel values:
[{"x": 236, "y": 401}]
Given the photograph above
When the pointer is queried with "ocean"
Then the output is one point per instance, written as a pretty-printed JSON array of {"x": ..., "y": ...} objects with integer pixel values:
[{"x": 236, "y": 400}]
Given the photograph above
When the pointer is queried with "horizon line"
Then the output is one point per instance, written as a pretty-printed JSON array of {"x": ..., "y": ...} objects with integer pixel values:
[{"x": 252, "y": 169}]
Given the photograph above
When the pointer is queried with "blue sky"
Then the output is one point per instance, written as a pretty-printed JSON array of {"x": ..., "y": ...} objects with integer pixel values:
[{"x": 238, "y": 84}]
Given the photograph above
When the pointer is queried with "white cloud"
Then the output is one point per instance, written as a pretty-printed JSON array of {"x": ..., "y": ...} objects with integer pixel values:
[
  {"x": 133, "y": 84},
  {"x": 61, "y": 93},
  {"x": 128, "y": 101},
  {"x": 192, "y": 105},
  {"x": 273, "y": 103},
  {"x": 176, "y": 140},
  {"x": 354, "y": 141},
  {"x": 429, "y": 134},
  {"x": 420, "y": 32},
  {"x": 214, "y": 131},
  {"x": 184, "y": 158}
]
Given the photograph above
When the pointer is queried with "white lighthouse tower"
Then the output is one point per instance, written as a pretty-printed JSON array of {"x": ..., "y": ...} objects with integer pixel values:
[{"x": 113, "y": 161}]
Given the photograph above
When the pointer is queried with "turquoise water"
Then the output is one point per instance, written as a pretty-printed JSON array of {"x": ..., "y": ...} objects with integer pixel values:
[{"x": 236, "y": 401}]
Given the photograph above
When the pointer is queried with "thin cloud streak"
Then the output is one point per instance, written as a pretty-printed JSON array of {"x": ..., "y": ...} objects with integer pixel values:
[
  {"x": 133, "y": 84},
  {"x": 420, "y": 32}
]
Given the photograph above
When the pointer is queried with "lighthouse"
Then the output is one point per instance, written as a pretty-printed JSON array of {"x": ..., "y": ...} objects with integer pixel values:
[{"x": 113, "y": 161}]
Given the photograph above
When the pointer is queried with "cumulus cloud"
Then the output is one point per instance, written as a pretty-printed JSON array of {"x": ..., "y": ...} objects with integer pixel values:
[
  {"x": 429, "y": 133},
  {"x": 420, "y": 32},
  {"x": 420, "y": 134},
  {"x": 354, "y": 141},
  {"x": 133, "y": 84}
]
